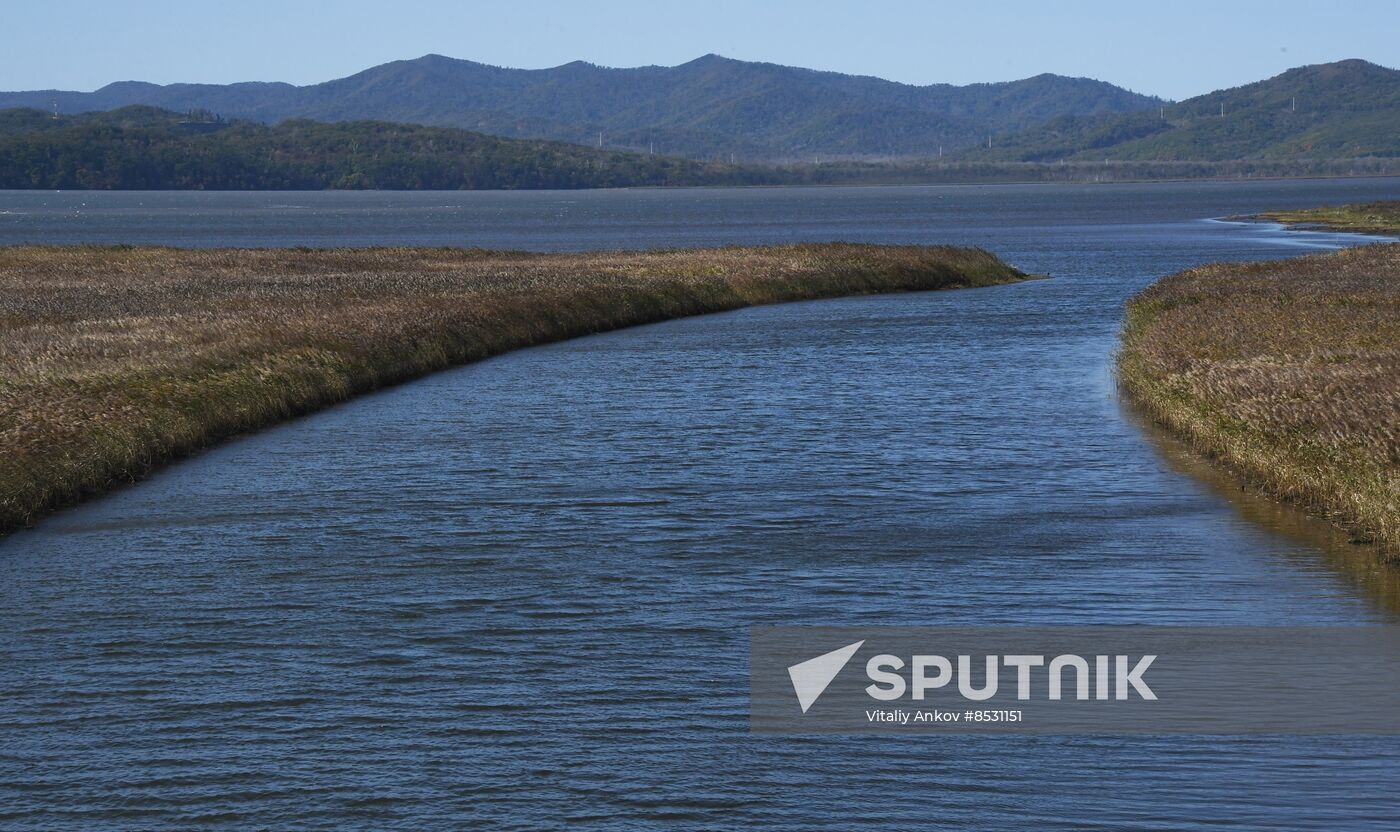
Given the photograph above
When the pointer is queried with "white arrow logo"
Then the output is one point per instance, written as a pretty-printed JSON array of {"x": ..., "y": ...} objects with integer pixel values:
[{"x": 810, "y": 678}]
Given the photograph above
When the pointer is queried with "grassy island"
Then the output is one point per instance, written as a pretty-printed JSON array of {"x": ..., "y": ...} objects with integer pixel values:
[
  {"x": 1361, "y": 218},
  {"x": 117, "y": 359},
  {"x": 1288, "y": 372}
]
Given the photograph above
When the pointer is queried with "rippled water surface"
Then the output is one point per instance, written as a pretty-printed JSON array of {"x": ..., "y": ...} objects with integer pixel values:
[{"x": 517, "y": 594}]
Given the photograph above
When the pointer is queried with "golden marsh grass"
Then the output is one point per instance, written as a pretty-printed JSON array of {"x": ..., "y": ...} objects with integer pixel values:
[
  {"x": 117, "y": 359},
  {"x": 1288, "y": 372},
  {"x": 1360, "y": 218}
]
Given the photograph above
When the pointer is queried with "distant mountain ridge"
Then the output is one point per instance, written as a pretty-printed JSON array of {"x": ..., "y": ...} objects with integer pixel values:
[
  {"x": 711, "y": 107},
  {"x": 1344, "y": 110}
]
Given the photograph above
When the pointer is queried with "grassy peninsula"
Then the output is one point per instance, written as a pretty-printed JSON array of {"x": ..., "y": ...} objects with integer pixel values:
[
  {"x": 1287, "y": 372},
  {"x": 114, "y": 360},
  {"x": 1361, "y": 218}
]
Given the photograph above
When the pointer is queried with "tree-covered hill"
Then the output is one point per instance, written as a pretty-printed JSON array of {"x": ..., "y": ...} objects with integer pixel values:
[
  {"x": 710, "y": 107},
  {"x": 148, "y": 148},
  {"x": 1344, "y": 110}
]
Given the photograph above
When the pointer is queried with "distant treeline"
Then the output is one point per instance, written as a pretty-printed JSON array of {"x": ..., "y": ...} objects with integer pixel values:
[
  {"x": 949, "y": 173},
  {"x": 144, "y": 148},
  {"x": 137, "y": 148}
]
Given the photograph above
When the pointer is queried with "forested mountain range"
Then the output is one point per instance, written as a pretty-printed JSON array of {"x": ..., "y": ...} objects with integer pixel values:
[
  {"x": 1344, "y": 110},
  {"x": 709, "y": 108},
  {"x": 1309, "y": 120}
]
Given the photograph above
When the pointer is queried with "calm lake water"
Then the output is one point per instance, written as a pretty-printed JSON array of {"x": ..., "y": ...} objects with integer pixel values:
[{"x": 517, "y": 594}]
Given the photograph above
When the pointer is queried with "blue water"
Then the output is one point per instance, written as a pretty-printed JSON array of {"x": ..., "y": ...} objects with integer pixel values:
[{"x": 517, "y": 594}]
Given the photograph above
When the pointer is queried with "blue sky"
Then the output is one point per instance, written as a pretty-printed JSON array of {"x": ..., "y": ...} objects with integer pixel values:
[{"x": 1173, "y": 49}]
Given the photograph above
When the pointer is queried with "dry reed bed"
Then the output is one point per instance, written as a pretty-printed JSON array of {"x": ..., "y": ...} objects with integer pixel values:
[
  {"x": 1361, "y": 218},
  {"x": 1286, "y": 371},
  {"x": 114, "y": 360}
]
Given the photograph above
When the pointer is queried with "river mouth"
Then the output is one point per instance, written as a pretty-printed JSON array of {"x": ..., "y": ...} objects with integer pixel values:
[{"x": 468, "y": 596}]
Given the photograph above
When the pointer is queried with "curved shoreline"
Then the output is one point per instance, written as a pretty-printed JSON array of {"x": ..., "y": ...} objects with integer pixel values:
[
  {"x": 118, "y": 360},
  {"x": 1285, "y": 372}
]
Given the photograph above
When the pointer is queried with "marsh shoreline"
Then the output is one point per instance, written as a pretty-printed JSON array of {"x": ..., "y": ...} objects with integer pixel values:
[
  {"x": 1356, "y": 218},
  {"x": 1285, "y": 373},
  {"x": 120, "y": 359}
]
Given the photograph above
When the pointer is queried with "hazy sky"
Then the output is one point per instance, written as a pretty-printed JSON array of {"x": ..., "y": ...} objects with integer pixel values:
[{"x": 1173, "y": 49}]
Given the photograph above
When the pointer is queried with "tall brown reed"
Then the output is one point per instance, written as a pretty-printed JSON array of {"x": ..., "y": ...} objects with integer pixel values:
[{"x": 1287, "y": 372}]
